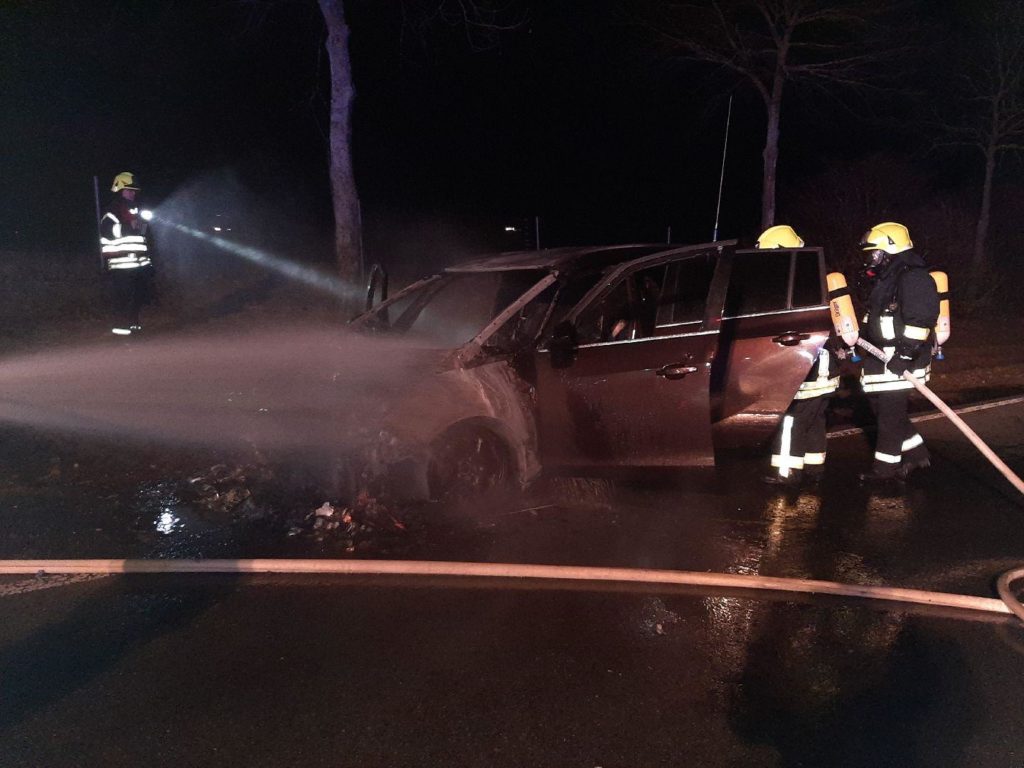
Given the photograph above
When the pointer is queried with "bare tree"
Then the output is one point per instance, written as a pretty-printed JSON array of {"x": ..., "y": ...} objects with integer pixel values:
[
  {"x": 769, "y": 45},
  {"x": 482, "y": 20},
  {"x": 347, "y": 225},
  {"x": 990, "y": 111}
]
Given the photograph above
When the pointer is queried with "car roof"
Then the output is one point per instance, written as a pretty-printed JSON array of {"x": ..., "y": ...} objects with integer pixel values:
[{"x": 578, "y": 257}]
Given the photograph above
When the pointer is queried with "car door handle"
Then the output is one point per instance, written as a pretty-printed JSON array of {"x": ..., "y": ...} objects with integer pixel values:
[
  {"x": 676, "y": 370},
  {"x": 791, "y": 339}
]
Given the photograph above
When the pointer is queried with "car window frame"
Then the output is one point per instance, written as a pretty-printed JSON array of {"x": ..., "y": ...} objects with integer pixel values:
[
  {"x": 612, "y": 278},
  {"x": 430, "y": 285},
  {"x": 790, "y": 282},
  {"x": 474, "y": 346},
  {"x": 707, "y": 297}
]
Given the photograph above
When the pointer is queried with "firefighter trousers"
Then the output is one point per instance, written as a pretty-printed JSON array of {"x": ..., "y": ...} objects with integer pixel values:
[
  {"x": 800, "y": 441},
  {"x": 899, "y": 446},
  {"x": 131, "y": 290}
]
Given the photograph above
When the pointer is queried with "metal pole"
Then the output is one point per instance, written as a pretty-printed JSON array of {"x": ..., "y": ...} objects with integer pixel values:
[
  {"x": 96, "y": 199},
  {"x": 536, "y": 232},
  {"x": 668, "y": 236},
  {"x": 721, "y": 176},
  {"x": 362, "y": 255}
]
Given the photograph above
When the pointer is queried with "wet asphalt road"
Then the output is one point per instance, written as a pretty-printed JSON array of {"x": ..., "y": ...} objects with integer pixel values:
[{"x": 273, "y": 671}]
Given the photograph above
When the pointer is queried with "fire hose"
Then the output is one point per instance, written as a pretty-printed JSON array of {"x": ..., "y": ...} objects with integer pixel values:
[
  {"x": 1008, "y": 604},
  {"x": 950, "y": 414},
  {"x": 1003, "y": 583},
  {"x": 844, "y": 321}
]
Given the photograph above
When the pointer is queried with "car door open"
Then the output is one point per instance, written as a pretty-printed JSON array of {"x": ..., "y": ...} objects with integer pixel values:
[{"x": 774, "y": 322}]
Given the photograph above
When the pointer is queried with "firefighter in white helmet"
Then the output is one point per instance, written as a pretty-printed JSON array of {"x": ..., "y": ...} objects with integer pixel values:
[
  {"x": 798, "y": 448},
  {"x": 126, "y": 257},
  {"x": 902, "y": 309}
]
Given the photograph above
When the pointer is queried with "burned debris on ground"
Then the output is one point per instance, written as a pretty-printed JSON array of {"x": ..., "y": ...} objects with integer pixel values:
[{"x": 249, "y": 493}]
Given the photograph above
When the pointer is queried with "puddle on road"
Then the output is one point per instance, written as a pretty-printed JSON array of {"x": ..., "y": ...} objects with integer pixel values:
[
  {"x": 161, "y": 510},
  {"x": 167, "y": 522}
]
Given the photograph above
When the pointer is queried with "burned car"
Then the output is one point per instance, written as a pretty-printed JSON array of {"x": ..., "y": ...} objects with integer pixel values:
[{"x": 592, "y": 358}]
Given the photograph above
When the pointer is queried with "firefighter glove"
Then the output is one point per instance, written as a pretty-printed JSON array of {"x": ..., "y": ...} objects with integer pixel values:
[{"x": 900, "y": 362}]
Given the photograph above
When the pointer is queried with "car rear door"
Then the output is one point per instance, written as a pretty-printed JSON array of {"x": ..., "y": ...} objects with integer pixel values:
[
  {"x": 636, "y": 389},
  {"x": 774, "y": 322}
]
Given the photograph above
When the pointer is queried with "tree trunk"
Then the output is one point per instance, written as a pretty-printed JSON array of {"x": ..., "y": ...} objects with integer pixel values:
[
  {"x": 771, "y": 152},
  {"x": 978, "y": 259},
  {"x": 347, "y": 234}
]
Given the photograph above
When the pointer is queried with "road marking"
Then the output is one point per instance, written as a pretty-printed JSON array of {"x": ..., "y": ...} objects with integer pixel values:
[{"x": 937, "y": 415}]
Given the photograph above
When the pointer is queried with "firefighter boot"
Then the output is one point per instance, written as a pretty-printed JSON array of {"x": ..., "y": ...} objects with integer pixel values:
[
  {"x": 912, "y": 465},
  {"x": 882, "y": 473},
  {"x": 776, "y": 478},
  {"x": 813, "y": 475}
]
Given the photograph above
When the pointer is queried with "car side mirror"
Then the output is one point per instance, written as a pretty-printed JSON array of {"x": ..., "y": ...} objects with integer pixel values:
[
  {"x": 563, "y": 345},
  {"x": 376, "y": 285}
]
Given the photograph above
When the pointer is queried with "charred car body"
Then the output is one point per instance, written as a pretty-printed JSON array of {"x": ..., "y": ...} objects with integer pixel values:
[{"x": 583, "y": 359}]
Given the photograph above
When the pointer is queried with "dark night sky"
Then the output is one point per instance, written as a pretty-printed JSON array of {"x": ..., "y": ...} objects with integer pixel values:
[{"x": 566, "y": 117}]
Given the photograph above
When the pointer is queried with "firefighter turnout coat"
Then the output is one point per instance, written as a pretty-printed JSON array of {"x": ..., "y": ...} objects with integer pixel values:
[
  {"x": 902, "y": 310},
  {"x": 123, "y": 236}
]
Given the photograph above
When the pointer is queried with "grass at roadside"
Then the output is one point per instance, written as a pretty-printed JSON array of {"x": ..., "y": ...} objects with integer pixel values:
[{"x": 984, "y": 359}]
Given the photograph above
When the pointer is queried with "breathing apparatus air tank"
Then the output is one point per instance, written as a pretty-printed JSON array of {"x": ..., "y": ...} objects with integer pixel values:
[
  {"x": 840, "y": 305},
  {"x": 942, "y": 326}
]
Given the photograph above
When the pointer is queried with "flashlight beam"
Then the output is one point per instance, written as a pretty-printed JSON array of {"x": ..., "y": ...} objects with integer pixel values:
[{"x": 305, "y": 275}]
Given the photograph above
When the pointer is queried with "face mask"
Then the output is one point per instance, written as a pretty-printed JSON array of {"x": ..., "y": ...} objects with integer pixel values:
[{"x": 874, "y": 260}]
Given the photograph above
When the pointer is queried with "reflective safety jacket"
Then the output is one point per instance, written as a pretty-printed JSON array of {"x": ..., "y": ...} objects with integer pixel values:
[
  {"x": 823, "y": 378},
  {"x": 902, "y": 310},
  {"x": 123, "y": 236}
]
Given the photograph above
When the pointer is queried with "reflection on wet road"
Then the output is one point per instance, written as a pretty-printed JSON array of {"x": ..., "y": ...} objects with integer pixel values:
[
  {"x": 282, "y": 670},
  {"x": 80, "y": 498}
]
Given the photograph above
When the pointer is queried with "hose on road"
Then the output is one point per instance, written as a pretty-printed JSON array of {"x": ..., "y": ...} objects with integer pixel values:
[
  {"x": 1006, "y": 606},
  {"x": 1007, "y": 594}
]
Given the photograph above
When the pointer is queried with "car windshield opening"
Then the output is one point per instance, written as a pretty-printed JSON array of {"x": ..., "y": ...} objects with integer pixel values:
[{"x": 454, "y": 309}]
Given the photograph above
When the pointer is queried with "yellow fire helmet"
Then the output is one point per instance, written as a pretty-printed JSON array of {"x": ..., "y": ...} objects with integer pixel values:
[
  {"x": 888, "y": 236},
  {"x": 123, "y": 180},
  {"x": 779, "y": 236}
]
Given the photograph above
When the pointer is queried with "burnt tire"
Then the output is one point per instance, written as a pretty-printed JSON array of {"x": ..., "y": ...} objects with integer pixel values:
[{"x": 468, "y": 463}]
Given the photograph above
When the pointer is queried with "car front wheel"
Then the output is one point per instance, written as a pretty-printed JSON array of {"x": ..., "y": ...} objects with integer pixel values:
[{"x": 468, "y": 463}]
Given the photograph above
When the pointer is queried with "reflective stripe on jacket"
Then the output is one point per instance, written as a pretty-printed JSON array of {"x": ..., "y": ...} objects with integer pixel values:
[
  {"x": 122, "y": 250},
  {"x": 875, "y": 377},
  {"x": 823, "y": 378}
]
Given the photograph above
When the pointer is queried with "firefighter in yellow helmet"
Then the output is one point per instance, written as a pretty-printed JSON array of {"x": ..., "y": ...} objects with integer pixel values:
[
  {"x": 126, "y": 257},
  {"x": 779, "y": 236},
  {"x": 901, "y": 312},
  {"x": 798, "y": 448}
]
